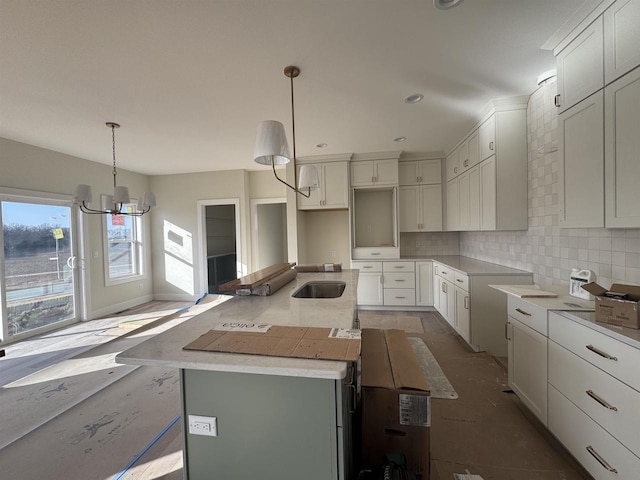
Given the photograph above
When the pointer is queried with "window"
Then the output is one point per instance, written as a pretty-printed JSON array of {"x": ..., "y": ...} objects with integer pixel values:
[{"x": 123, "y": 247}]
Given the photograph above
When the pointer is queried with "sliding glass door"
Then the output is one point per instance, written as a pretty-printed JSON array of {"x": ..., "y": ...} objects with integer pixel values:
[{"x": 37, "y": 266}]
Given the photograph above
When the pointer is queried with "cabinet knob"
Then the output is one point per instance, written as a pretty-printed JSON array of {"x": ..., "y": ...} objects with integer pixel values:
[
  {"x": 466, "y": 162},
  {"x": 556, "y": 100},
  {"x": 455, "y": 169}
]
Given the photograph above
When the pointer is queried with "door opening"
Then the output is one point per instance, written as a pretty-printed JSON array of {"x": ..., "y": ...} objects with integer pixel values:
[{"x": 221, "y": 245}]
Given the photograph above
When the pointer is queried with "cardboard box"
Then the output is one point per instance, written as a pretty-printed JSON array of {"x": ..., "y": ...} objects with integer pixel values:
[
  {"x": 616, "y": 311},
  {"x": 395, "y": 401}
]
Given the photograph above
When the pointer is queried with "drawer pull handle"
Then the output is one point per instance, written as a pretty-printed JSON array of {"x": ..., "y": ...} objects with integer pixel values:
[
  {"x": 523, "y": 312},
  {"x": 398, "y": 266},
  {"x": 367, "y": 266},
  {"x": 601, "y": 460},
  {"x": 601, "y": 353},
  {"x": 401, "y": 297},
  {"x": 602, "y": 402},
  {"x": 375, "y": 253},
  {"x": 506, "y": 331},
  {"x": 458, "y": 280},
  {"x": 399, "y": 280}
]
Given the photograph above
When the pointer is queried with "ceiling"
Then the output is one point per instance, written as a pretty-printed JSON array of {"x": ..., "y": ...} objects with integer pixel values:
[{"x": 190, "y": 80}]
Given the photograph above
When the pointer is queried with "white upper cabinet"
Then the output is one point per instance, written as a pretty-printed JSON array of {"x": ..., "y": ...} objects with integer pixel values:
[
  {"x": 421, "y": 208},
  {"x": 421, "y": 172},
  {"x": 621, "y": 38},
  {"x": 580, "y": 66},
  {"x": 488, "y": 194},
  {"x": 487, "y": 138},
  {"x": 374, "y": 172},
  {"x": 474, "y": 150},
  {"x": 622, "y": 152},
  {"x": 334, "y": 188},
  {"x": 581, "y": 169},
  {"x": 453, "y": 206},
  {"x": 452, "y": 165}
]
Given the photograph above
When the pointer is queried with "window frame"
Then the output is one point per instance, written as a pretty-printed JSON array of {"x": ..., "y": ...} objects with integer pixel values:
[{"x": 139, "y": 249}]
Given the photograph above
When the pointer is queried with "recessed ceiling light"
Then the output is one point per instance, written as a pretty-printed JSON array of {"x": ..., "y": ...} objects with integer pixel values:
[
  {"x": 446, "y": 4},
  {"x": 321, "y": 145},
  {"x": 414, "y": 98},
  {"x": 399, "y": 139}
]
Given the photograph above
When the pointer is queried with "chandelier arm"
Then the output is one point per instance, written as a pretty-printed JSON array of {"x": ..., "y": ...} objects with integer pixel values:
[{"x": 307, "y": 195}]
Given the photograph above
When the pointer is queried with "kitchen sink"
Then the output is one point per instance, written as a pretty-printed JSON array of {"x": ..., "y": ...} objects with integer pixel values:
[{"x": 320, "y": 289}]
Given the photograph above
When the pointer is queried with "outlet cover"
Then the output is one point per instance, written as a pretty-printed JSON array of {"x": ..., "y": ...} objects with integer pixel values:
[{"x": 199, "y": 425}]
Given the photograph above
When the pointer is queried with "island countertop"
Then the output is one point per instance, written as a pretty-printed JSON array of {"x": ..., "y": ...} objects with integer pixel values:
[{"x": 165, "y": 349}]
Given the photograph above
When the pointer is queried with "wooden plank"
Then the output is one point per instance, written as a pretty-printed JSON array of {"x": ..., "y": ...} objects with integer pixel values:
[{"x": 256, "y": 279}]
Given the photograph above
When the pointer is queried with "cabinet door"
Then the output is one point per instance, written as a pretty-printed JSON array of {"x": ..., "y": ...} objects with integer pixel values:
[
  {"x": 474, "y": 198},
  {"x": 370, "y": 291},
  {"x": 463, "y": 201},
  {"x": 408, "y": 173},
  {"x": 409, "y": 221},
  {"x": 452, "y": 205},
  {"x": 451, "y": 166},
  {"x": 527, "y": 367},
  {"x": 442, "y": 297},
  {"x": 621, "y": 38},
  {"x": 362, "y": 173},
  {"x": 315, "y": 199},
  {"x": 581, "y": 169},
  {"x": 335, "y": 185},
  {"x": 487, "y": 138},
  {"x": 463, "y": 319},
  {"x": 436, "y": 287},
  {"x": 463, "y": 156},
  {"x": 451, "y": 304},
  {"x": 622, "y": 144},
  {"x": 580, "y": 66},
  {"x": 488, "y": 194},
  {"x": 430, "y": 172},
  {"x": 424, "y": 284},
  {"x": 430, "y": 211},
  {"x": 386, "y": 172},
  {"x": 474, "y": 149}
]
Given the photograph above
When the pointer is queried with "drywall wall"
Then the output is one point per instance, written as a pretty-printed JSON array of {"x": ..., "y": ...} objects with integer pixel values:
[
  {"x": 326, "y": 237},
  {"x": 271, "y": 234},
  {"x": 26, "y": 167},
  {"x": 263, "y": 184},
  {"x": 545, "y": 249}
]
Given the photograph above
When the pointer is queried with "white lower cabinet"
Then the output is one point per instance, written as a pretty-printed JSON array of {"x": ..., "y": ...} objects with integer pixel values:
[
  {"x": 527, "y": 366},
  {"x": 394, "y": 283},
  {"x": 424, "y": 284},
  {"x": 463, "y": 319},
  {"x": 370, "y": 290},
  {"x": 594, "y": 398},
  {"x": 399, "y": 281}
]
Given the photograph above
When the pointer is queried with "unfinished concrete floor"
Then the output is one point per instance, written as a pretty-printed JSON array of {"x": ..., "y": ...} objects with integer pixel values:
[{"x": 128, "y": 430}]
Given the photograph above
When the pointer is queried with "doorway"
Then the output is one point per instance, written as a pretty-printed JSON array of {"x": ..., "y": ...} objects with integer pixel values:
[
  {"x": 222, "y": 242},
  {"x": 269, "y": 231}
]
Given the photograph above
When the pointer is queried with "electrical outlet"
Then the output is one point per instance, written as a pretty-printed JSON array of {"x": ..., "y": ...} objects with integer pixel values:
[
  {"x": 334, "y": 254},
  {"x": 199, "y": 425}
]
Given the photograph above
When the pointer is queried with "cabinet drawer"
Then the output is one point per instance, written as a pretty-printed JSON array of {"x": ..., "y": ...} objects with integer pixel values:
[
  {"x": 368, "y": 267},
  {"x": 602, "y": 455},
  {"x": 389, "y": 267},
  {"x": 531, "y": 315},
  {"x": 461, "y": 280},
  {"x": 609, "y": 402},
  {"x": 608, "y": 354},
  {"x": 400, "y": 280},
  {"x": 446, "y": 273},
  {"x": 399, "y": 296}
]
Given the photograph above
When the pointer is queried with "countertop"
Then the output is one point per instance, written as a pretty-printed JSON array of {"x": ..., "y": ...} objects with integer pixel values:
[
  {"x": 280, "y": 308},
  {"x": 630, "y": 336},
  {"x": 563, "y": 301},
  {"x": 470, "y": 266}
]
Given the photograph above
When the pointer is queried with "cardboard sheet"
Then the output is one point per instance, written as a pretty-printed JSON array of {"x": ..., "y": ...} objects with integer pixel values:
[{"x": 279, "y": 341}]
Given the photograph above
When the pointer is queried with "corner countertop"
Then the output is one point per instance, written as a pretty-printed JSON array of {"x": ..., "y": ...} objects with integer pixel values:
[
  {"x": 281, "y": 308},
  {"x": 630, "y": 336},
  {"x": 470, "y": 266},
  {"x": 563, "y": 301}
]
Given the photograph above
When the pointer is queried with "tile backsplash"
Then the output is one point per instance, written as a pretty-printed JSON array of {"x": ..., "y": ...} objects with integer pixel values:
[{"x": 544, "y": 249}]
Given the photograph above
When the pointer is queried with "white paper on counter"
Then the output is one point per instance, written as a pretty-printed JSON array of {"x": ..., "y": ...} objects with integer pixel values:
[
  {"x": 243, "y": 327},
  {"x": 349, "y": 333}
]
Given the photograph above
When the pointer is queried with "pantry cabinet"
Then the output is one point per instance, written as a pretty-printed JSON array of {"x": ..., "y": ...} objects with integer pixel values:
[
  {"x": 579, "y": 67},
  {"x": 420, "y": 208},
  {"x": 334, "y": 188},
  {"x": 622, "y": 144},
  {"x": 621, "y": 38},
  {"x": 581, "y": 164},
  {"x": 374, "y": 172}
]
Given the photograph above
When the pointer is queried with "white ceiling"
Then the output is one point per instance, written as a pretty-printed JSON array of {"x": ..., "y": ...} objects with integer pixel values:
[{"x": 190, "y": 80}]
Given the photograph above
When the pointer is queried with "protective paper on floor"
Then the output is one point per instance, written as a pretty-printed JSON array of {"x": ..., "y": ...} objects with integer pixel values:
[
  {"x": 385, "y": 321},
  {"x": 438, "y": 382}
]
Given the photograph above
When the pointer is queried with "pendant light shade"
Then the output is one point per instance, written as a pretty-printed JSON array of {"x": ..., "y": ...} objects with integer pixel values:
[
  {"x": 271, "y": 144},
  {"x": 83, "y": 194},
  {"x": 308, "y": 178},
  {"x": 121, "y": 194}
]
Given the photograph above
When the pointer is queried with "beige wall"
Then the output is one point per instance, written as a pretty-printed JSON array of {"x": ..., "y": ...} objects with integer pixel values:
[
  {"x": 326, "y": 237},
  {"x": 26, "y": 167},
  {"x": 263, "y": 184}
]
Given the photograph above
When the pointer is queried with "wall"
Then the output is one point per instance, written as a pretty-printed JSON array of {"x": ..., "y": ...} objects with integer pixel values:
[
  {"x": 32, "y": 168},
  {"x": 272, "y": 228},
  {"x": 326, "y": 237},
  {"x": 545, "y": 249}
]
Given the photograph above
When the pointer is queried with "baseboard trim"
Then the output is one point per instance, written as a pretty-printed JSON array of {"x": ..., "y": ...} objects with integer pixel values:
[
  {"x": 118, "y": 307},
  {"x": 175, "y": 297}
]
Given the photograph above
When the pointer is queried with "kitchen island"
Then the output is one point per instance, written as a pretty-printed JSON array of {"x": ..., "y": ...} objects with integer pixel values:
[{"x": 275, "y": 418}]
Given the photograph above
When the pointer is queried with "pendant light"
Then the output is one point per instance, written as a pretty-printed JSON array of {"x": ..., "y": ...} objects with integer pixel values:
[
  {"x": 120, "y": 196},
  {"x": 272, "y": 147}
]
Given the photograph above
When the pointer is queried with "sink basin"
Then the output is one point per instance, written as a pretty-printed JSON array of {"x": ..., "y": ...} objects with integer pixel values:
[{"x": 320, "y": 289}]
